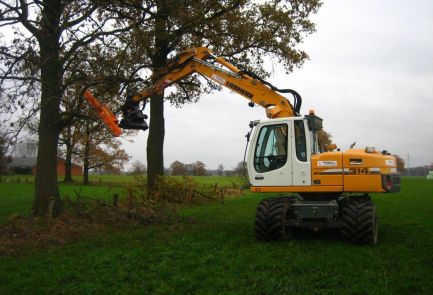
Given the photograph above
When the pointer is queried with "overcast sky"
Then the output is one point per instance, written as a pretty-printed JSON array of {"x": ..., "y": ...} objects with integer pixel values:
[{"x": 370, "y": 77}]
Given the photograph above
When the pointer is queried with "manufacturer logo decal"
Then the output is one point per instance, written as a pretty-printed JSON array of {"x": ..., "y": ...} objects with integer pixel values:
[
  {"x": 239, "y": 89},
  {"x": 327, "y": 163}
]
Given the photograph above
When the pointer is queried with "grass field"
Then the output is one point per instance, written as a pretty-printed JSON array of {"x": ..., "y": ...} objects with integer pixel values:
[
  {"x": 213, "y": 251},
  {"x": 15, "y": 197},
  {"x": 124, "y": 179}
]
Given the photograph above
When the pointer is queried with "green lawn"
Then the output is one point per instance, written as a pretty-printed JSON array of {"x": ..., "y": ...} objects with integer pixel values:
[
  {"x": 17, "y": 197},
  {"x": 125, "y": 179},
  {"x": 213, "y": 251}
]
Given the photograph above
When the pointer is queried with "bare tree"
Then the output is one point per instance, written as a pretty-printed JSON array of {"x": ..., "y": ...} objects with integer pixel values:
[
  {"x": 241, "y": 169},
  {"x": 69, "y": 138},
  {"x": 38, "y": 65},
  {"x": 138, "y": 168},
  {"x": 220, "y": 170}
]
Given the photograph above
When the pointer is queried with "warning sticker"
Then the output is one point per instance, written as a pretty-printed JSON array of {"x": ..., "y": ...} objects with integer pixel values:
[
  {"x": 327, "y": 163},
  {"x": 218, "y": 79}
]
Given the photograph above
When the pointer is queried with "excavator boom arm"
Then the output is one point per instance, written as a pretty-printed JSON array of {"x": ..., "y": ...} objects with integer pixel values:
[{"x": 195, "y": 60}]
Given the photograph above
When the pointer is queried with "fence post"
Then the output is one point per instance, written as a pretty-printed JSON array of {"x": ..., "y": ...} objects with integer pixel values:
[
  {"x": 115, "y": 199},
  {"x": 222, "y": 195}
]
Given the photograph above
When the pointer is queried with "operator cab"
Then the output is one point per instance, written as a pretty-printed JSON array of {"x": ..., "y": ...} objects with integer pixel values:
[{"x": 281, "y": 149}]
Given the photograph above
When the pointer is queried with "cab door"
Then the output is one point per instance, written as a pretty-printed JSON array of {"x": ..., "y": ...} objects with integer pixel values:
[
  {"x": 269, "y": 161},
  {"x": 301, "y": 155}
]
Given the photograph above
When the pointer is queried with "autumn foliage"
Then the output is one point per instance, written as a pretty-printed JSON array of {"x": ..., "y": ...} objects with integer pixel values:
[
  {"x": 197, "y": 168},
  {"x": 400, "y": 163},
  {"x": 324, "y": 139}
]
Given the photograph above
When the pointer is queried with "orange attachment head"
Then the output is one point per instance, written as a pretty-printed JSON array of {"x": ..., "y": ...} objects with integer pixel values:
[{"x": 106, "y": 115}]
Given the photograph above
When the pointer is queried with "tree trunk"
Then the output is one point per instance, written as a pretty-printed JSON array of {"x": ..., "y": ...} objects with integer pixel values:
[
  {"x": 86, "y": 171},
  {"x": 68, "y": 157},
  {"x": 86, "y": 160},
  {"x": 46, "y": 186},
  {"x": 155, "y": 141}
]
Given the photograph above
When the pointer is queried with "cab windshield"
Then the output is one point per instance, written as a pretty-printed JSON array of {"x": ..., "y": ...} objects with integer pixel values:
[{"x": 271, "y": 149}]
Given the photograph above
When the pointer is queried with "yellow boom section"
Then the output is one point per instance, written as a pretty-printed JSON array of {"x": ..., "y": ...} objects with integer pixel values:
[{"x": 194, "y": 61}]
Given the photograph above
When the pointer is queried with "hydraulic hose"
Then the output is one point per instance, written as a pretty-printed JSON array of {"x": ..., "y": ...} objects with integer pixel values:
[{"x": 297, "y": 97}]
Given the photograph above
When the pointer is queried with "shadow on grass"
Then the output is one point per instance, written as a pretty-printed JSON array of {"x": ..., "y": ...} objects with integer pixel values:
[{"x": 303, "y": 234}]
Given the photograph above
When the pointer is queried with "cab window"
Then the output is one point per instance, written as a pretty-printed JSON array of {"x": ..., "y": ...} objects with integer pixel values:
[
  {"x": 271, "y": 148},
  {"x": 300, "y": 141}
]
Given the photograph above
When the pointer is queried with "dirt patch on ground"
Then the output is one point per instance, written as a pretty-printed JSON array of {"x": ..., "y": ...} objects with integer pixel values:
[
  {"x": 82, "y": 217},
  {"x": 18, "y": 232}
]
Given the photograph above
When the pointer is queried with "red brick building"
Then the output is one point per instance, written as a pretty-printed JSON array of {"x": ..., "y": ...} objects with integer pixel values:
[{"x": 28, "y": 166}]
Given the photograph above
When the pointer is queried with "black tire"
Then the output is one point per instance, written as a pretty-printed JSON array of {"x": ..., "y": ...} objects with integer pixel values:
[
  {"x": 359, "y": 221},
  {"x": 271, "y": 219}
]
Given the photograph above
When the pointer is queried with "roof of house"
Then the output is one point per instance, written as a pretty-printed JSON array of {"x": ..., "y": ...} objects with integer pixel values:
[
  {"x": 29, "y": 162},
  {"x": 22, "y": 162}
]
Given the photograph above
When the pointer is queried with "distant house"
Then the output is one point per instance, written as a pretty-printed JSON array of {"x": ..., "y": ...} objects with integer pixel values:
[
  {"x": 430, "y": 175},
  {"x": 4, "y": 162},
  {"x": 28, "y": 166}
]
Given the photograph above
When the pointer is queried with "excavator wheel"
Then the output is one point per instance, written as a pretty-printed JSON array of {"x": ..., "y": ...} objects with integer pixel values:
[
  {"x": 359, "y": 221},
  {"x": 271, "y": 219}
]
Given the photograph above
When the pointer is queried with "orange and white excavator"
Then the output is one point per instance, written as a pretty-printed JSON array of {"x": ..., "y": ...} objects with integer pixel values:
[{"x": 316, "y": 189}]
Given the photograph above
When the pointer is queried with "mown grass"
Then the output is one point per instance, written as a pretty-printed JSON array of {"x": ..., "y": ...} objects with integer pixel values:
[
  {"x": 212, "y": 250},
  {"x": 125, "y": 179},
  {"x": 17, "y": 197}
]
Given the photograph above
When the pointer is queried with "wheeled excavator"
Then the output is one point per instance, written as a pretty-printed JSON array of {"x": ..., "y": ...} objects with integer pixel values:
[{"x": 315, "y": 188}]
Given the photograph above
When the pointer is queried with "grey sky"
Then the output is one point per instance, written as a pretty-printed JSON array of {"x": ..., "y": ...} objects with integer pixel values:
[{"x": 370, "y": 77}]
